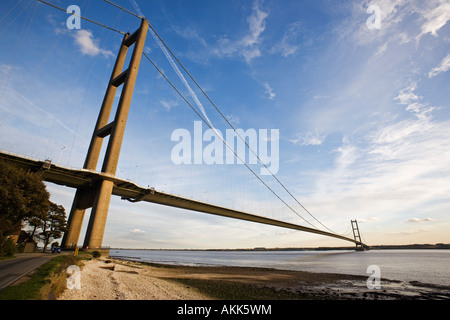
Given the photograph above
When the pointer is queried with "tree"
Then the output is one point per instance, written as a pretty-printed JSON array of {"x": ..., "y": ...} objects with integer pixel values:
[
  {"x": 53, "y": 224},
  {"x": 23, "y": 196}
]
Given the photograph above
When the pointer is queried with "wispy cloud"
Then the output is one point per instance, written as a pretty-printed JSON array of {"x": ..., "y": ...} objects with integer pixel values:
[
  {"x": 234, "y": 119},
  {"x": 430, "y": 16},
  {"x": 6, "y": 69},
  {"x": 289, "y": 44},
  {"x": 393, "y": 169},
  {"x": 168, "y": 104},
  {"x": 371, "y": 219},
  {"x": 409, "y": 98},
  {"x": 247, "y": 46},
  {"x": 417, "y": 220},
  {"x": 182, "y": 78},
  {"x": 137, "y": 231},
  {"x": 320, "y": 96},
  {"x": 269, "y": 91},
  {"x": 309, "y": 139},
  {"x": 443, "y": 67},
  {"x": 190, "y": 34},
  {"x": 136, "y": 7},
  {"x": 435, "y": 18},
  {"x": 393, "y": 162},
  {"x": 256, "y": 23}
]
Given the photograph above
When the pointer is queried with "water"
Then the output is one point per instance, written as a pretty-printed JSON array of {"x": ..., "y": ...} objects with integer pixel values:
[{"x": 427, "y": 266}]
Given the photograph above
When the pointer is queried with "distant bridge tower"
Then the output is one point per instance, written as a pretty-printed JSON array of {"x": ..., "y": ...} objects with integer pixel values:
[
  {"x": 98, "y": 196},
  {"x": 357, "y": 236}
]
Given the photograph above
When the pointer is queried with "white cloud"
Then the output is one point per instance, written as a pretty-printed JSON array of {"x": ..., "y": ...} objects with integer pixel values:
[
  {"x": 391, "y": 15},
  {"x": 443, "y": 67},
  {"x": 6, "y": 69},
  {"x": 136, "y": 8},
  {"x": 435, "y": 18},
  {"x": 88, "y": 45},
  {"x": 398, "y": 166},
  {"x": 168, "y": 104},
  {"x": 309, "y": 139},
  {"x": 417, "y": 220},
  {"x": 407, "y": 95},
  {"x": 191, "y": 34},
  {"x": 248, "y": 45},
  {"x": 395, "y": 162},
  {"x": 257, "y": 26},
  {"x": 234, "y": 119},
  {"x": 399, "y": 21},
  {"x": 371, "y": 219},
  {"x": 409, "y": 98},
  {"x": 137, "y": 231},
  {"x": 320, "y": 96},
  {"x": 286, "y": 46},
  {"x": 269, "y": 91},
  {"x": 389, "y": 10},
  {"x": 13, "y": 102},
  {"x": 181, "y": 77}
]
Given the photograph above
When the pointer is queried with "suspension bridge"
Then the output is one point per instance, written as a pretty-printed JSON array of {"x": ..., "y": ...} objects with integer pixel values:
[{"x": 94, "y": 189}]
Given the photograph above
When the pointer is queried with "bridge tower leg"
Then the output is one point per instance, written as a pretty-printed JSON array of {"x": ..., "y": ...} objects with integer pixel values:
[
  {"x": 98, "y": 197},
  {"x": 357, "y": 236}
]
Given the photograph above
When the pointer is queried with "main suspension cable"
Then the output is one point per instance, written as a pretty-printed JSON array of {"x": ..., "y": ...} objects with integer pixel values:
[
  {"x": 74, "y": 14},
  {"x": 235, "y": 130},
  {"x": 224, "y": 117},
  {"x": 221, "y": 138}
]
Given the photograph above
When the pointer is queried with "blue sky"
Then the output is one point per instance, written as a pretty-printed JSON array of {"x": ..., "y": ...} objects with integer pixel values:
[{"x": 363, "y": 114}]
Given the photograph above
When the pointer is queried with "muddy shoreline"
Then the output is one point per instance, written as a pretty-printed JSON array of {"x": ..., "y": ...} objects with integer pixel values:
[{"x": 222, "y": 282}]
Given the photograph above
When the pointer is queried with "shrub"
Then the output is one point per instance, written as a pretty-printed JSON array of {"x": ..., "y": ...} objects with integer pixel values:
[
  {"x": 7, "y": 248},
  {"x": 96, "y": 254}
]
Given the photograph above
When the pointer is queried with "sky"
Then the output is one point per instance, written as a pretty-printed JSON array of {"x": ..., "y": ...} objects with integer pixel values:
[{"x": 359, "y": 97}]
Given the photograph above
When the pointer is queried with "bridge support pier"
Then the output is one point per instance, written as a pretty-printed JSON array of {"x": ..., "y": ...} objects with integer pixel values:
[
  {"x": 75, "y": 222},
  {"x": 97, "y": 220},
  {"x": 98, "y": 197}
]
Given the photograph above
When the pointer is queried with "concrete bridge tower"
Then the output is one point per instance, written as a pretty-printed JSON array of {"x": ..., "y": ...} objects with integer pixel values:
[{"x": 98, "y": 196}]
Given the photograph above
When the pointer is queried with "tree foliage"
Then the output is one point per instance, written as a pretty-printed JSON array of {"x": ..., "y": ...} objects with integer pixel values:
[
  {"x": 24, "y": 198},
  {"x": 53, "y": 224}
]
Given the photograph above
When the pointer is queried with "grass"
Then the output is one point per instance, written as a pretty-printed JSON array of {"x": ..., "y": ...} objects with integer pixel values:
[{"x": 45, "y": 283}]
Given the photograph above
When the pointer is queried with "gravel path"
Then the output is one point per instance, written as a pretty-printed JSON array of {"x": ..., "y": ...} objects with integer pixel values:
[{"x": 126, "y": 282}]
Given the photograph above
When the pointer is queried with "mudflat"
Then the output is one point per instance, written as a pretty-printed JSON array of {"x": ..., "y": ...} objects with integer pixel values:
[{"x": 114, "y": 279}]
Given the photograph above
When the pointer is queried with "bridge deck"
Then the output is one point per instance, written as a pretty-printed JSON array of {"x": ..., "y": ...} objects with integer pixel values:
[{"x": 128, "y": 190}]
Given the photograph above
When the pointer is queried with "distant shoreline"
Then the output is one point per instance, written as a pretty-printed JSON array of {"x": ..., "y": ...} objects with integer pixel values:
[{"x": 437, "y": 246}]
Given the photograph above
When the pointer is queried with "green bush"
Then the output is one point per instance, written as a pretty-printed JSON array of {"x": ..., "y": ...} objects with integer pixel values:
[
  {"x": 7, "y": 248},
  {"x": 96, "y": 254}
]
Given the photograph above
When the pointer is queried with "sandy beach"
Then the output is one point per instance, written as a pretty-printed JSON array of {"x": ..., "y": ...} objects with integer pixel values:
[{"x": 114, "y": 279}]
